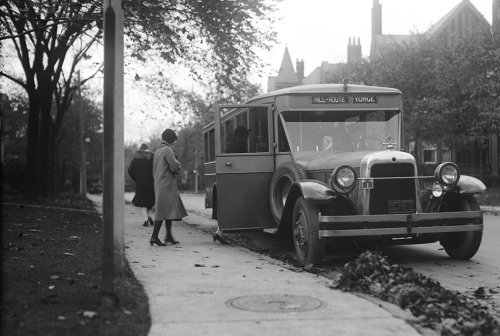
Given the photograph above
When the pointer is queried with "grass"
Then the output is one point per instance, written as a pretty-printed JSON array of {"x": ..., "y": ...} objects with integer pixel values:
[{"x": 51, "y": 273}]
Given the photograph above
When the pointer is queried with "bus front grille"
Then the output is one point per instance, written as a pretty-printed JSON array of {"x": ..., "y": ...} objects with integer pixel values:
[{"x": 392, "y": 195}]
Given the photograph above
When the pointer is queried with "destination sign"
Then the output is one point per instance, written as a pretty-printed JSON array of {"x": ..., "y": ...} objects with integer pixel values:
[{"x": 344, "y": 99}]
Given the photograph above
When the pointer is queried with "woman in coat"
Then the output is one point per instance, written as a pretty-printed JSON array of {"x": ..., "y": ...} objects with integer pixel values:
[
  {"x": 168, "y": 203},
  {"x": 141, "y": 171}
]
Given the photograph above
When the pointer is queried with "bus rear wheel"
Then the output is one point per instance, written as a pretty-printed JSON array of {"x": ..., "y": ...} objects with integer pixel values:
[{"x": 309, "y": 248}]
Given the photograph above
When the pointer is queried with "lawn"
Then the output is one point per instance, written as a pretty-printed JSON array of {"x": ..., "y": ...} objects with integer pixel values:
[{"x": 51, "y": 273}]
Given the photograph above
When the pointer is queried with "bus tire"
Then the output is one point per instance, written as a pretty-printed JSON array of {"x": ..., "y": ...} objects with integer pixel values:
[
  {"x": 309, "y": 248},
  {"x": 283, "y": 178},
  {"x": 463, "y": 245}
]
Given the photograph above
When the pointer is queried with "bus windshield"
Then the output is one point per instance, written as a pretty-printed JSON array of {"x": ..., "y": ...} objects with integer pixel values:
[{"x": 336, "y": 131}]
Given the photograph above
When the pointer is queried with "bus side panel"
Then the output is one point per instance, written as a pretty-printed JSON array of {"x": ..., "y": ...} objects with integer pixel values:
[
  {"x": 209, "y": 183},
  {"x": 247, "y": 206},
  {"x": 282, "y": 158}
]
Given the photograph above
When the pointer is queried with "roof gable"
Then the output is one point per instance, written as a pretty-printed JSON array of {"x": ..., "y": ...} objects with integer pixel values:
[
  {"x": 286, "y": 73},
  {"x": 445, "y": 21}
]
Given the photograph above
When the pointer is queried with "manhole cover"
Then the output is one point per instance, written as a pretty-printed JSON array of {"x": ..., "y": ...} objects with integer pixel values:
[{"x": 276, "y": 303}]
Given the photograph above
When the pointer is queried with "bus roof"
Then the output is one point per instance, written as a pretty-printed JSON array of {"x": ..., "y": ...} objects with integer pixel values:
[
  {"x": 326, "y": 88},
  {"x": 320, "y": 89}
]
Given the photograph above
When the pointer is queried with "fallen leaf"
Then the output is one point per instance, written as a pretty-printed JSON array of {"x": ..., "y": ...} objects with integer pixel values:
[
  {"x": 199, "y": 265},
  {"x": 127, "y": 312},
  {"x": 67, "y": 254},
  {"x": 49, "y": 299},
  {"x": 54, "y": 277},
  {"x": 61, "y": 318},
  {"x": 215, "y": 266},
  {"x": 52, "y": 287},
  {"x": 89, "y": 314}
]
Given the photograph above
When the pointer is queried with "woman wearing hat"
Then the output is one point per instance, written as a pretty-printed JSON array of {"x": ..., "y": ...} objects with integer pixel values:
[
  {"x": 141, "y": 171},
  {"x": 168, "y": 203}
]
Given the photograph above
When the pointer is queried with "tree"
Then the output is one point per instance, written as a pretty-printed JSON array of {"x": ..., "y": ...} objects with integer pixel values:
[
  {"x": 214, "y": 36},
  {"x": 42, "y": 33},
  {"x": 470, "y": 85}
]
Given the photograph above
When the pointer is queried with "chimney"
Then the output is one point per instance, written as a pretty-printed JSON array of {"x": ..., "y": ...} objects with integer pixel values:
[
  {"x": 376, "y": 24},
  {"x": 300, "y": 70},
  {"x": 353, "y": 51}
]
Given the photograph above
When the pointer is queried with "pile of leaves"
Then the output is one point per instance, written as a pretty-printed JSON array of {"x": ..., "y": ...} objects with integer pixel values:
[{"x": 447, "y": 312}]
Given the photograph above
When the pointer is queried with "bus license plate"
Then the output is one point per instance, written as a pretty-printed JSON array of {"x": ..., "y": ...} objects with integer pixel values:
[{"x": 400, "y": 206}]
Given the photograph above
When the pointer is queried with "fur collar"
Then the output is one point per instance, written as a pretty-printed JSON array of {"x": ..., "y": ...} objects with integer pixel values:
[{"x": 144, "y": 154}]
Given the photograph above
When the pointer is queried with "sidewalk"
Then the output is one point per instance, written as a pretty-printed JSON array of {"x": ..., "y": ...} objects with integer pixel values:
[{"x": 204, "y": 288}]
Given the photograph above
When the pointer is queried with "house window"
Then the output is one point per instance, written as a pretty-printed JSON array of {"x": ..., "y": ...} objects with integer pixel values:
[
  {"x": 429, "y": 156},
  {"x": 429, "y": 153}
]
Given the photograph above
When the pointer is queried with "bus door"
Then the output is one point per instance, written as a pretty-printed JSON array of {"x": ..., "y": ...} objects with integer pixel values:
[{"x": 244, "y": 155}]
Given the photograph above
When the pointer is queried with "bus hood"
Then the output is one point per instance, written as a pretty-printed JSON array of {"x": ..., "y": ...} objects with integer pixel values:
[{"x": 330, "y": 160}]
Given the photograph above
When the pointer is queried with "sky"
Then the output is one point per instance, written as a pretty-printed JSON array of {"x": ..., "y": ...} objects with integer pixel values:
[{"x": 319, "y": 30}]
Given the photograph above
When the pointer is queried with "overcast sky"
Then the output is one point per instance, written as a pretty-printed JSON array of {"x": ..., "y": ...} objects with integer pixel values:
[{"x": 319, "y": 30}]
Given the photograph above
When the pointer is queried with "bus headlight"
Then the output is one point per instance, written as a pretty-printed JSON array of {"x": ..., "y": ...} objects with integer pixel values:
[
  {"x": 437, "y": 190},
  {"x": 343, "y": 179},
  {"x": 447, "y": 174}
]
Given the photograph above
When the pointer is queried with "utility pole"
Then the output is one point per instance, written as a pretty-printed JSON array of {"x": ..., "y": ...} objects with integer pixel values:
[
  {"x": 196, "y": 170},
  {"x": 83, "y": 170},
  {"x": 113, "y": 256}
]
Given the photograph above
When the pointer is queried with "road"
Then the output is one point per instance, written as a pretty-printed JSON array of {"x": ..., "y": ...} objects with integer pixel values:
[{"x": 483, "y": 270}]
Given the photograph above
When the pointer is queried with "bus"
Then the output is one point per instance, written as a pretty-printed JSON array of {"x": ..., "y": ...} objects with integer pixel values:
[{"x": 325, "y": 162}]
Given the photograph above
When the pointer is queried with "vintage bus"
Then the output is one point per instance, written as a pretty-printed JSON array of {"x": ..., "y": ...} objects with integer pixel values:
[{"x": 325, "y": 162}]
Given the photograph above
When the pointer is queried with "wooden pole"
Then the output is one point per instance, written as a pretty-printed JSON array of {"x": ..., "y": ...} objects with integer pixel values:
[
  {"x": 196, "y": 171},
  {"x": 83, "y": 170},
  {"x": 113, "y": 169}
]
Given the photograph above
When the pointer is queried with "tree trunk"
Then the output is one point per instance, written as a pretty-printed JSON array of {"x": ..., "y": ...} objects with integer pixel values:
[
  {"x": 45, "y": 123},
  {"x": 31, "y": 185}
]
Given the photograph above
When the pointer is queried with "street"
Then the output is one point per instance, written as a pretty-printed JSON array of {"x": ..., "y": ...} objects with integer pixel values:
[{"x": 483, "y": 270}]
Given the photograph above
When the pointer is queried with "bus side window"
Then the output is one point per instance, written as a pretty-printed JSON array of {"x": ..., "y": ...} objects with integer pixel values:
[
  {"x": 211, "y": 139},
  {"x": 234, "y": 135},
  {"x": 283, "y": 145},
  {"x": 206, "y": 146},
  {"x": 259, "y": 130}
]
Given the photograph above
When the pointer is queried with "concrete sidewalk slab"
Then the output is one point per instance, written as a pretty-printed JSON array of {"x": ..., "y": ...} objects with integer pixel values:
[{"x": 204, "y": 288}]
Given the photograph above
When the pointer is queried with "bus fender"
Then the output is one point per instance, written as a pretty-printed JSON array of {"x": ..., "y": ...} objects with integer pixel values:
[
  {"x": 312, "y": 190},
  {"x": 315, "y": 191},
  {"x": 469, "y": 185}
]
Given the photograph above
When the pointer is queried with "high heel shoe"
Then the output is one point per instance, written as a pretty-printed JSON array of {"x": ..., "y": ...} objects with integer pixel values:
[
  {"x": 156, "y": 241},
  {"x": 171, "y": 240},
  {"x": 220, "y": 239},
  {"x": 150, "y": 220},
  {"x": 145, "y": 223}
]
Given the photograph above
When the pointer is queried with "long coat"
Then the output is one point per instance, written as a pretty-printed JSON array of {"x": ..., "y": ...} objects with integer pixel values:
[
  {"x": 141, "y": 171},
  {"x": 168, "y": 203}
]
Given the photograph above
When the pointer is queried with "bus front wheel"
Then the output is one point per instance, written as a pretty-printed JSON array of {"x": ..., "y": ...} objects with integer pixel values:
[{"x": 309, "y": 247}]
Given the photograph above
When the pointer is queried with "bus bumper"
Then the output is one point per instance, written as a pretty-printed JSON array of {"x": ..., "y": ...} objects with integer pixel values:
[{"x": 400, "y": 224}]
